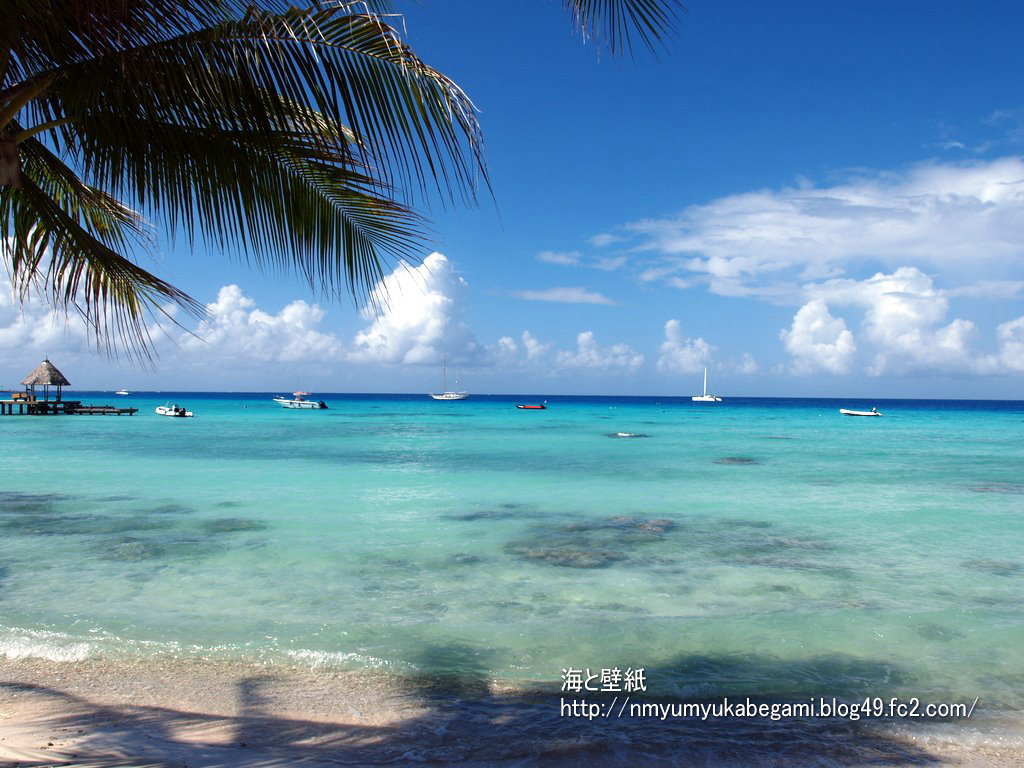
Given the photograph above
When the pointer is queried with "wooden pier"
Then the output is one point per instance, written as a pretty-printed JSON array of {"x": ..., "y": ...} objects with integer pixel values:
[
  {"x": 24, "y": 406},
  {"x": 46, "y": 375}
]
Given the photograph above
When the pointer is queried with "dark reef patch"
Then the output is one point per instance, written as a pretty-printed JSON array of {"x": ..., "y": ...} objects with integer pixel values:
[
  {"x": 998, "y": 487},
  {"x": 462, "y": 558},
  {"x": 169, "y": 509},
  {"x": 140, "y": 548},
  {"x": 502, "y": 511},
  {"x": 736, "y": 460},
  {"x": 741, "y": 523},
  {"x": 993, "y": 567},
  {"x": 566, "y": 555},
  {"x": 589, "y": 543},
  {"x": 57, "y": 524},
  {"x": 232, "y": 525},
  {"x": 936, "y": 632}
]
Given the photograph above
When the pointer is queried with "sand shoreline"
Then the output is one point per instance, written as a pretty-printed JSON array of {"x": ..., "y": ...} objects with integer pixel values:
[{"x": 202, "y": 713}]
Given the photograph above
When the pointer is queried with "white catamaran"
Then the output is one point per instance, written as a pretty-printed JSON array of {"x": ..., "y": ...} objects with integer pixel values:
[
  {"x": 706, "y": 398},
  {"x": 445, "y": 394}
]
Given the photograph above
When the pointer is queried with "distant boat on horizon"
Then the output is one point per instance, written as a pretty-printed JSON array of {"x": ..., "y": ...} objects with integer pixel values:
[
  {"x": 706, "y": 398},
  {"x": 848, "y": 412},
  {"x": 445, "y": 393},
  {"x": 122, "y": 391}
]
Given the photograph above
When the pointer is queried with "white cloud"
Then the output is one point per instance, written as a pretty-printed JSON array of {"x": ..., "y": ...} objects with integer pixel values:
[
  {"x": 604, "y": 239},
  {"x": 1011, "y": 344},
  {"x": 566, "y": 258},
  {"x": 565, "y": 296},
  {"x": 589, "y": 354},
  {"x": 679, "y": 354},
  {"x": 903, "y": 317},
  {"x": 535, "y": 350},
  {"x": 36, "y": 326},
  {"x": 421, "y": 317},
  {"x": 747, "y": 365},
  {"x": 944, "y": 217},
  {"x": 236, "y": 329},
  {"x": 989, "y": 289},
  {"x": 609, "y": 263},
  {"x": 819, "y": 342}
]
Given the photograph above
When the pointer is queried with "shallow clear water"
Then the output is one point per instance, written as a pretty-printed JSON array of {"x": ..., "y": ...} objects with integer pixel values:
[{"x": 752, "y": 547}]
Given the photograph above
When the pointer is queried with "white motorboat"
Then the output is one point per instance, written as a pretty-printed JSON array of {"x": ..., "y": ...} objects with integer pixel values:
[
  {"x": 706, "y": 398},
  {"x": 848, "y": 412},
  {"x": 298, "y": 400},
  {"x": 445, "y": 393},
  {"x": 174, "y": 410},
  {"x": 122, "y": 392}
]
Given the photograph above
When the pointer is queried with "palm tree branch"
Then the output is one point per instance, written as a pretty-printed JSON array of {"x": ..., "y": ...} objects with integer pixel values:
[{"x": 615, "y": 23}]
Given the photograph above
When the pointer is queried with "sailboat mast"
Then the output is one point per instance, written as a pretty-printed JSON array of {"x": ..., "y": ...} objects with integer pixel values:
[{"x": 705, "y": 380}]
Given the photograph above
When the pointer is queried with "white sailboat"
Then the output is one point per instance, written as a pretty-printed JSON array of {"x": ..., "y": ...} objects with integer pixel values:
[
  {"x": 445, "y": 393},
  {"x": 706, "y": 398}
]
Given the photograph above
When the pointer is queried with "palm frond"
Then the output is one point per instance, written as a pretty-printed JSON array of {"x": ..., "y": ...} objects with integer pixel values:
[{"x": 615, "y": 22}]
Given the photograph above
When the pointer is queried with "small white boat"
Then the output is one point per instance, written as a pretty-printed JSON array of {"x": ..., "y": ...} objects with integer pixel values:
[
  {"x": 173, "y": 410},
  {"x": 848, "y": 412},
  {"x": 706, "y": 398},
  {"x": 298, "y": 400},
  {"x": 122, "y": 392},
  {"x": 445, "y": 394}
]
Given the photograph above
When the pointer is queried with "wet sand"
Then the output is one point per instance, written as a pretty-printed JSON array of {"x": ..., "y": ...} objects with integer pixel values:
[{"x": 199, "y": 713}]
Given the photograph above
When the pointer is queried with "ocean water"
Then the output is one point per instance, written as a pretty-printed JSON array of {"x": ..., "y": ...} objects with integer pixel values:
[{"x": 754, "y": 547}]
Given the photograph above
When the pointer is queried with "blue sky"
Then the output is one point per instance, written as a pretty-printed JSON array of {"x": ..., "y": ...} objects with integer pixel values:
[{"x": 810, "y": 198}]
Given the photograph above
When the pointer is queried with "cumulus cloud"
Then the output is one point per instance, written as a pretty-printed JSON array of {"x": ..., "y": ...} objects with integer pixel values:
[
  {"x": 535, "y": 350},
  {"x": 236, "y": 329},
  {"x": 904, "y": 316},
  {"x": 421, "y": 317},
  {"x": 565, "y": 295},
  {"x": 589, "y": 354},
  {"x": 747, "y": 365},
  {"x": 938, "y": 216},
  {"x": 37, "y": 326},
  {"x": 679, "y": 354},
  {"x": 819, "y": 342},
  {"x": 1011, "y": 344}
]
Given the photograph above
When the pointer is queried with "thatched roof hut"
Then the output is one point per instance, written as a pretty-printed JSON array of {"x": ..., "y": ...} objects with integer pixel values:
[{"x": 45, "y": 375}]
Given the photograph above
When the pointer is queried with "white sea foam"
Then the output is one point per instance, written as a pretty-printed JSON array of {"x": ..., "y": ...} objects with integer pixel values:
[
  {"x": 318, "y": 659},
  {"x": 18, "y": 643}
]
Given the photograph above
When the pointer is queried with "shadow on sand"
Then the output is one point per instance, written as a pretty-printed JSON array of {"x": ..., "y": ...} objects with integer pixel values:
[{"x": 454, "y": 716}]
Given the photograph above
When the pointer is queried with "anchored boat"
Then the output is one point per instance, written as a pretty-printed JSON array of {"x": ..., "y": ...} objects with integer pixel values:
[
  {"x": 298, "y": 400},
  {"x": 445, "y": 393},
  {"x": 848, "y": 412},
  {"x": 174, "y": 410},
  {"x": 706, "y": 398}
]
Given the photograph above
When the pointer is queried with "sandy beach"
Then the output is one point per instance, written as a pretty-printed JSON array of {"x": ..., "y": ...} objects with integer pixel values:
[{"x": 197, "y": 713}]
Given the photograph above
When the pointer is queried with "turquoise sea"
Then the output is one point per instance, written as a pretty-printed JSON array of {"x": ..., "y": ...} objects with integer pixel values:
[{"x": 761, "y": 547}]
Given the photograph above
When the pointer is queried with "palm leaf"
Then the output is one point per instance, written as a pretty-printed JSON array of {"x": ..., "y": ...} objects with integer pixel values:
[
  {"x": 299, "y": 138},
  {"x": 616, "y": 22}
]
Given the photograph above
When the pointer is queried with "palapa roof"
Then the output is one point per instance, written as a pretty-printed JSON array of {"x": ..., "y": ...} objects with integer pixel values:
[{"x": 45, "y": 374}]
